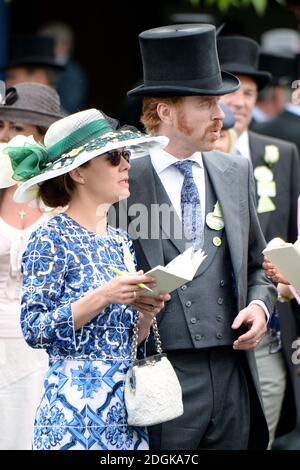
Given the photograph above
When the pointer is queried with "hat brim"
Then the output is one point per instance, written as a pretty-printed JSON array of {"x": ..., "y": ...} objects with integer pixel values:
[
  {"x": 230, "y": 83},
  {"x": 262, "y": 78},
  {"x": 37, "y": 61},
  {"x": 27, "y": 191},
  {"x": 9, "y": 113}
]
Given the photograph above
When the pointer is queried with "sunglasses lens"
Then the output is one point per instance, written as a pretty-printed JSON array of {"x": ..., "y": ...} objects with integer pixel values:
[{"x": 114, "y": 157}]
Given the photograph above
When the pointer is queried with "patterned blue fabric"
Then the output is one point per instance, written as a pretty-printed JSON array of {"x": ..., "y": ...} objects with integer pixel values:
[
  {"x": 82, "y": 405},
  {"x": 190, "y": 205}
]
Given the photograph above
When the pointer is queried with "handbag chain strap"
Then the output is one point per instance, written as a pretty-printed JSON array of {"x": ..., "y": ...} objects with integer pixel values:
[{"x": 157, "y": 339}]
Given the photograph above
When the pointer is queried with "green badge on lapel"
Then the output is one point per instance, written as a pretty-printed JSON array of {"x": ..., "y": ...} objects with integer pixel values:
[{"x": 217, "y": 241}]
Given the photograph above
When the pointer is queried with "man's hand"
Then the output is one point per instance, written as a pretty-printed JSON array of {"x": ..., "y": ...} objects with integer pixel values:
[{"x": 254, "y": 318}]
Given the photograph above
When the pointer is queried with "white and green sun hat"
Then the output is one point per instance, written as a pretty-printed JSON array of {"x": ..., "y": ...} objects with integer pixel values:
[{"x": 69, "y": 143}]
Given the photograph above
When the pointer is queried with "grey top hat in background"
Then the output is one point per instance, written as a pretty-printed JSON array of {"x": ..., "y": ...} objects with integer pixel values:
[
  {"x": 278, "y": 55},
  {"x": 182, "y": 60},
  {"x": 31, "y": 103},
  {"x": 240, "y": 55},
  {"x": 282, "y": 41}
]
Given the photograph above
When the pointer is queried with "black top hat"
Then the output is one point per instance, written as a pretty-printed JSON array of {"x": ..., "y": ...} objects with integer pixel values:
[
  {"x": 182, "y": 60},
  {"x": 283, "y": 68},
  {"x": 239, "y": 55},
  {"x": 35, "y": 50}
]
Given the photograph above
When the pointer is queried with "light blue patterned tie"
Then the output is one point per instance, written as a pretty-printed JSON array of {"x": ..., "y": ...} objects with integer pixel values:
[{"x": 190, "y": 205}]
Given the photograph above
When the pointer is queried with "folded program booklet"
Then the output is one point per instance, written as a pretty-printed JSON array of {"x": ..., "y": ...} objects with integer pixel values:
[
  {"x": 286, "y": 258},
  {"x": 180, "y": 270}
]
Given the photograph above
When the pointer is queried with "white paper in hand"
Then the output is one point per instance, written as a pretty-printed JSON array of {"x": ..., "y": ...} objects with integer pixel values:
[
  {"x": 180, "y": 270},
  {"x": 286, "y": 258}
]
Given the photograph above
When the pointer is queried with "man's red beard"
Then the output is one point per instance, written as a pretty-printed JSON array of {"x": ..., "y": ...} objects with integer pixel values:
[{"x": 185, "y": 129}]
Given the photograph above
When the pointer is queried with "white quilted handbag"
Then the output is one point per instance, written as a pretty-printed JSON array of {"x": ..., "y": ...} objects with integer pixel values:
[{"x": 152, "y": 390}]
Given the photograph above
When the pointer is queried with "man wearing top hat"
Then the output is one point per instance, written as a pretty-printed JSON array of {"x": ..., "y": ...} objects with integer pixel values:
[
  {"x": 277, "y": 179},
  {"x": 32, "y": 59},
  {"x": 211, "y": 324},
  {"x": 272, "y": 99}
]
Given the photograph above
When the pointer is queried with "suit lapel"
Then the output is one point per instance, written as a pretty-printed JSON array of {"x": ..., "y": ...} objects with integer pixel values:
[
  {"x": 144, "y": 199},
  {"x": 224, "y": 177}
]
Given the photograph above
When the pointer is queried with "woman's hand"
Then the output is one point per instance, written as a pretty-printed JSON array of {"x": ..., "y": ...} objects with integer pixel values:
[
  {"x": 124, "y": 289},
  {"x": 148, "y": 307},
  {"x": 273, "y": 273}
]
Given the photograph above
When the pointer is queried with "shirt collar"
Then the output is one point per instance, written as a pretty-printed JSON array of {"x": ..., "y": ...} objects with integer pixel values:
[
  {"x": 293, "y": 108},
  {"x": 242, "y": 145},
  {"x": 161, "y": 160}
]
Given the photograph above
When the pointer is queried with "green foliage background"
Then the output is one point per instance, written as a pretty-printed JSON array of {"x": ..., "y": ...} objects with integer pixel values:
[{"x": 223, "y": 5}]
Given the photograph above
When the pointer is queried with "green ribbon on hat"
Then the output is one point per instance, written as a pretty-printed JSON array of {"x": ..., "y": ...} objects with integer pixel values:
[
  {"x": 27, "y": 161},
  {"x": 32, "y": 159}
]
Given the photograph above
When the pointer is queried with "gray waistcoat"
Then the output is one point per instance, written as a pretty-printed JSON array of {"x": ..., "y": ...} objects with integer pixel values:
[{"x": 200, "y": 313}]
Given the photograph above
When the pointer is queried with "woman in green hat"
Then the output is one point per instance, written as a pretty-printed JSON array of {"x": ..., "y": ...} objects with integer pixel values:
[{"x": 73, "y": 305}]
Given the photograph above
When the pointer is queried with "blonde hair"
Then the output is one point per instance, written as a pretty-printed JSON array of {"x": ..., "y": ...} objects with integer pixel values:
[{"x": 232, "y": 134}]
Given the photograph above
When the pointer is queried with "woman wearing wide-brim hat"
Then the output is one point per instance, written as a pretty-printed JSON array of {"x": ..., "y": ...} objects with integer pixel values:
[
  {"x": 27, "y": 109},
  {"x": 73, "y": 304}
]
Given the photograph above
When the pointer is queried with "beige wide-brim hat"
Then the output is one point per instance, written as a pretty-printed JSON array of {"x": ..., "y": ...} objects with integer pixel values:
[
  {"x": 69, "y": 143},
  {"x": 31, "y": 103}
]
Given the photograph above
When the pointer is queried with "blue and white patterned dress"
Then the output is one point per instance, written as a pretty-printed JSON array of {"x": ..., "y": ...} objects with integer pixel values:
[{"x": 82, "y": 405}]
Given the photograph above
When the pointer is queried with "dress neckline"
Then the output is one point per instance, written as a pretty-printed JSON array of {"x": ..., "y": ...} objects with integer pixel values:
[
  {"x": 110, "y": 230},
  {"x": 15, "y": 230}
]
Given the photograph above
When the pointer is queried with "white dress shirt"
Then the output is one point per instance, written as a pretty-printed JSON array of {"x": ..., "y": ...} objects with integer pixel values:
[
  {"x": 242, "y": 147},
  {"x": 293, "y": 108},
  {"x": 172, "y": 180}
]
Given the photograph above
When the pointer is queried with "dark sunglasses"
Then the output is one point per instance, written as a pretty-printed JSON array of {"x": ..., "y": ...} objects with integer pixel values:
[{"x": 114, "y": 156}]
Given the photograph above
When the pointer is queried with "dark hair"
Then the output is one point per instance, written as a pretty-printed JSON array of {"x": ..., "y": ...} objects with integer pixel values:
[{"x": 57, "y": 192}]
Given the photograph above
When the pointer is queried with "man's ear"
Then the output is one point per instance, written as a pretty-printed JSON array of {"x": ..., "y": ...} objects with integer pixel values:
[
  {"x": 165, "y": 113},
  {"x": 77, "y": 176}
]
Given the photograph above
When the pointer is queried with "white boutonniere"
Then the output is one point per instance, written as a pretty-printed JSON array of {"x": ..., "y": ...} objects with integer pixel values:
[
  {"x": 266, "y": 186},
  {"x": 214, "y": 219},
  {"x": 271, "y": 154}
]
